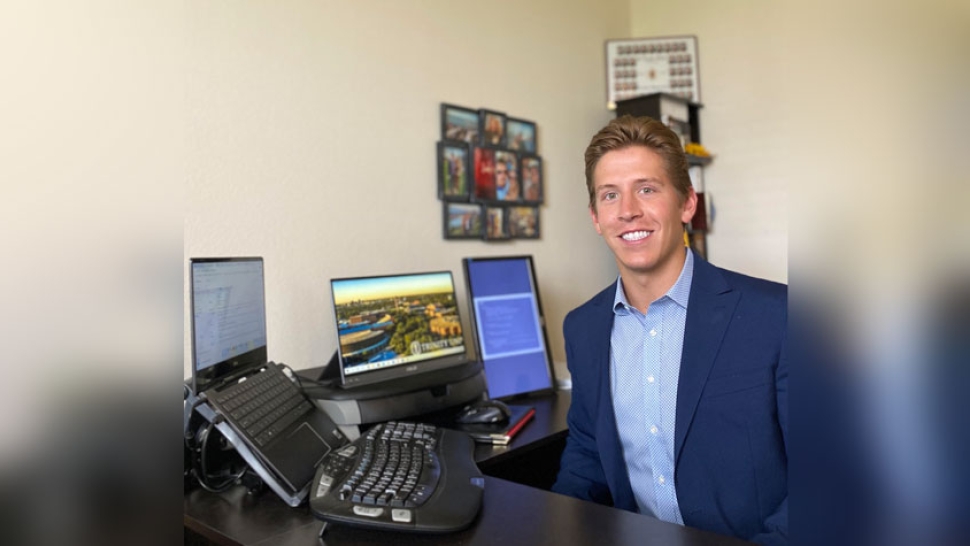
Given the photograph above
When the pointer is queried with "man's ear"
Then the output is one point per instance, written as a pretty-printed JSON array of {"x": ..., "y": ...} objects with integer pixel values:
[
  {"x": 690, "y": 207},
  {"x": 596, "y": 222}
]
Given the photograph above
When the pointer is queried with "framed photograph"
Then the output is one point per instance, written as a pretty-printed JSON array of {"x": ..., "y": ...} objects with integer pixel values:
[
  {"x": 454, "y": 171},
  {"x": 463, "y": 221},
  {"x": 495, "y": 226},
  {"x": 459, "y": 123},
  {"x": 531, "y": 169},
  {"x": 523, "y": 222},
  {"x": 484, "y": 169},
  {"x": 641, "y": 66},
  {"x": 507, "y": 186},
  {"x": 521, "y": 135},
  {"x": 492, "y": 128}
]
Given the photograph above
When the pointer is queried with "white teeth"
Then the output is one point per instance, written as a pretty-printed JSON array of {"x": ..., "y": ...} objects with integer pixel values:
[{"x": 635, "y": 235}]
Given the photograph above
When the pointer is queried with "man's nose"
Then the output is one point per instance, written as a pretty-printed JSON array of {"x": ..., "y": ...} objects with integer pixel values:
[{"x": 628, "y": 209}]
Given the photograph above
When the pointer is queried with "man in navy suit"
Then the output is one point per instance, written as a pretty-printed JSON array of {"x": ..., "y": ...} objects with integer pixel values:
[{"x": 679, "y": 369}]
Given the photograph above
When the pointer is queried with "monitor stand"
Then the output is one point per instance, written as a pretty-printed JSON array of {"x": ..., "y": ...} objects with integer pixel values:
[{"x": 400, "y": 399}]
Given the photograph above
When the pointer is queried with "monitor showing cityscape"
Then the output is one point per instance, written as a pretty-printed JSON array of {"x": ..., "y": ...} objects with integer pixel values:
[{"x": 393, "y": 326}]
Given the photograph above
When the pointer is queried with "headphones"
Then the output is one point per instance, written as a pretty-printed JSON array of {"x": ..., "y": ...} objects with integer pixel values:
[{"x": 197, "y": 435}]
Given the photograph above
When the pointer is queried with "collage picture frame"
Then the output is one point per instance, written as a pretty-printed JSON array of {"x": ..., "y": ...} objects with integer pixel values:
[
  {"x": 463, "y": 221},
  {"x": 459, "y": 123},
  {"x": 521, "y": 135},
  {"x": 454, "y": 171},
  {"x": 490, "y": 176},
  {"x": 492, "y": 126}
]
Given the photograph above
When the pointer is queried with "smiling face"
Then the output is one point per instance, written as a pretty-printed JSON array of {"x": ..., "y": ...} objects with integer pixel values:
[
  {"x": 640, "y": 215},
  {"x": 501, "y": 174}
]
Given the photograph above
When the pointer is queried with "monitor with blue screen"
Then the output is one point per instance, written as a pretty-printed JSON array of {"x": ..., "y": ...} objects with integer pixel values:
[{"x": 509, "y": 325}]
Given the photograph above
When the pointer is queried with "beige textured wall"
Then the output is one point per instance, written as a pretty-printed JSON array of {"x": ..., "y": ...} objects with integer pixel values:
[
  {"x": 741, "y": 69},
  {"x": 91, "y": 175},
  {"x": 841, "y": 120},
  {"x": 311, "y": 130}
]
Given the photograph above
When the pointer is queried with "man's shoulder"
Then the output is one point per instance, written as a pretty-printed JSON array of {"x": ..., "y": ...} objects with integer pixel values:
[
  {"x": 593, "y": 305},
  {"x": 754, "y": 286}
]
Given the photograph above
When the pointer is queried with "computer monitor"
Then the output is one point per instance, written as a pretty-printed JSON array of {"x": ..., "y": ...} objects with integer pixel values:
[
  {"x": 509, "y": 325},
  {"x": 396, "y": 326},
  {"x": 228, "y": 318}
]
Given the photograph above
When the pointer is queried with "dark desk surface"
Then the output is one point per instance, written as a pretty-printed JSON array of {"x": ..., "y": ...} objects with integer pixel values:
[
  {"x": 511, "y": 513},
  {"x": 548, "y": 425}
]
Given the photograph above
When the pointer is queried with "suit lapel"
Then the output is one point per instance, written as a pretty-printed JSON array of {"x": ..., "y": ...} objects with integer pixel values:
[
  {"x": 601, "y": 328},
  {"x": 600, "y": 332},
  {"x": 614, "y": 467},
  {"x": 709, "y": 311}
]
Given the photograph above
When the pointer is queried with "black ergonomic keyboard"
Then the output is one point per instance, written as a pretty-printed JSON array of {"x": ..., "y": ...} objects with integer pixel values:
[
  {"x": 401, "y": 476},
  {"x": 263, "y": 405}
]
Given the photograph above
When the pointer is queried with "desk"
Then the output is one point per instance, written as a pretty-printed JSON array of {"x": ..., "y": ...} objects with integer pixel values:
[{"x": 512, "y": 513}]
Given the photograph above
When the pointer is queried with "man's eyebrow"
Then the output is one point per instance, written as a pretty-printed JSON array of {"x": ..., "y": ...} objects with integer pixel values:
[{"x": 653, "y": 180}]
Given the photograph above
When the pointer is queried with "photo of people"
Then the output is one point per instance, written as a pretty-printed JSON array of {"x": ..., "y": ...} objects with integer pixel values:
[
  {"x": 453, "y": 171},
  {"x": 507, "y": 176},
  {"x": 521, "y": 135},
  {"x": 463, "y": 221},
  {"x": 523, "y": 222},
  {"x": 495, "y": 227},
  {"x": 492, "y": 126},
  {"x": 459, "y": 123},
  {"x": 484, "y": 174},
  {"x": 532, "y": 179}
]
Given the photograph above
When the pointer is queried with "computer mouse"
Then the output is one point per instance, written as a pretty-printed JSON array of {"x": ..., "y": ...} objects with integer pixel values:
[{"x": 488, "y": 411}]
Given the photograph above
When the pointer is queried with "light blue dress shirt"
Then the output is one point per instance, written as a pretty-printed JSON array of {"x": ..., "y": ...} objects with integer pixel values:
[{"x": 645, "y": 352}]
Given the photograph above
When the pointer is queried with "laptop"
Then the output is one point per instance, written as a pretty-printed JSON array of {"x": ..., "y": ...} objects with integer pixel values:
[{"x": 267, "y": 411}]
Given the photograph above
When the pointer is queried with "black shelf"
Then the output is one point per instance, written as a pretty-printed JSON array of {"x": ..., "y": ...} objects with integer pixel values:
[{"x": 699, "y": 160}]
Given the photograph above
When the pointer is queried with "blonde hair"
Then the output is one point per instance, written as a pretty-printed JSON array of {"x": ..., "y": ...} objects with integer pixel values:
[{"x": 627, "y": 131}]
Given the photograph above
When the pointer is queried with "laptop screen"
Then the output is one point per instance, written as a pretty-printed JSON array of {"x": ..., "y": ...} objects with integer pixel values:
[
  {"x": 395, "y": 326},
  {"x": 228, "y": 318},
  {"x": 510, "y": 328}
]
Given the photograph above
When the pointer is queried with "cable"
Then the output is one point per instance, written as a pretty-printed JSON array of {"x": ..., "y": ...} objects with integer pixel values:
[
  {"x": 191, "y": 402},
  {"x": 300, "y": 379}
]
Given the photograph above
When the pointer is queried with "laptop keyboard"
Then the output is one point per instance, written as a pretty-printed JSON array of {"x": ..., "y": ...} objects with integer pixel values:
[
  {"x": 400, "y": 476},
  {"x": 263, "y": 405}
]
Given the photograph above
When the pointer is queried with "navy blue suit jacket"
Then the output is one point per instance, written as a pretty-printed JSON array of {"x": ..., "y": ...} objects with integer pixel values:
[{"x": 731, "y": 464}]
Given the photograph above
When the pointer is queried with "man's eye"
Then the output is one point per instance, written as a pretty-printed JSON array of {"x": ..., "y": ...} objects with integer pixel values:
[
  {"x": 609, "y": 196},
  {"x": 646, "y": 190}
]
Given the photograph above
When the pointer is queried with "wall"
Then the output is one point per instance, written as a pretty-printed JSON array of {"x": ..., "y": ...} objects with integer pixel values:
[
  {"x": 311, "y": 130},
  {"x": 739, "y": 62},
  {"x": 91, "y": 175}
]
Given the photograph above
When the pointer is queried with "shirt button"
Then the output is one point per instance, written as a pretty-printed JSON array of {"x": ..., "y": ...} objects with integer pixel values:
[
  {"x": 662, "y": 480},
  {"x": 653, "y": 333},
  {"x": 653, "y": 429},
  {"x": 650, "y": 379}
]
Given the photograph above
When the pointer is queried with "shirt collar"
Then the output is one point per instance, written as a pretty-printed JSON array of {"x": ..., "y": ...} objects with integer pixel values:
[{"x": 679, "y": 293}]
